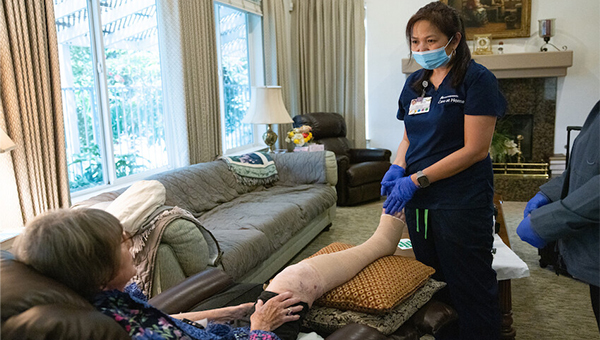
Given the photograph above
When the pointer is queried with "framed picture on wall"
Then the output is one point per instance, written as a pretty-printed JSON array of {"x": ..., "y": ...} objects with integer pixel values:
[{"x": 501, "y": 18}]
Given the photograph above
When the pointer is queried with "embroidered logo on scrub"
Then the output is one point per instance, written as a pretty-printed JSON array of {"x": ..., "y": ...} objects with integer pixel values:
[{"x": 453, "y": 98}]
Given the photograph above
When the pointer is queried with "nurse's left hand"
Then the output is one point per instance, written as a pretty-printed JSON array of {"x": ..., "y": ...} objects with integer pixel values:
[
  {"x": 403, "y": 191},
  {"x": 527, "y": 234}
]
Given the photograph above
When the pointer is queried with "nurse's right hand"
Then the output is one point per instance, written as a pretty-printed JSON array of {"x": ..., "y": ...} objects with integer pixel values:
[
  {"x": 402, "y": 193},
  {"x": 394, "y": 173},
  {"x": 537, "y": 201}
]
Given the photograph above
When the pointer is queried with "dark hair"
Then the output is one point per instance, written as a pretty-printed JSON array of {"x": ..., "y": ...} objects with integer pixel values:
[
  {"x": 80, "y": 248},
  {"x": 449, "y": 22}
]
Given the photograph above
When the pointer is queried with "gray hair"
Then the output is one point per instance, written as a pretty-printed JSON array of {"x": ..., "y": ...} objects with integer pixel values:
[{"x": 78, "y": 247}]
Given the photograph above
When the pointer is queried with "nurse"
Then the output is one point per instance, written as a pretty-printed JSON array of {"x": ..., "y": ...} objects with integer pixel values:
[{"x": 442, "y": 175}]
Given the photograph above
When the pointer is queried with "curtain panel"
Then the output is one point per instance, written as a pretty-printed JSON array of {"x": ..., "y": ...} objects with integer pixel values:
[
  {"x": 328, "y": 56},
  {"x": 32, "y": 105},
  {"x": 201, "y": 79},
  {"x": 278, "y": 58}
]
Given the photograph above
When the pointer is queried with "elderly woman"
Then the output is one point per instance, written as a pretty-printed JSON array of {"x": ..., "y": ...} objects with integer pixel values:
[{"x": 86, "y": 250}]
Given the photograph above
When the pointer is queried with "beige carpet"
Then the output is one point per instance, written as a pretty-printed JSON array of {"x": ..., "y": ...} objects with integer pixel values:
[{"x": 545, "y": 306}]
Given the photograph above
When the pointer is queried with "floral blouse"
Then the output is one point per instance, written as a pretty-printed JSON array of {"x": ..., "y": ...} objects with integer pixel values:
[{"x": 144, "y": 322}]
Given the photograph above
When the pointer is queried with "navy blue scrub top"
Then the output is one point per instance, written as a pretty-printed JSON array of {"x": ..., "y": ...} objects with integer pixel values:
[{"x": 436, "y": 134}]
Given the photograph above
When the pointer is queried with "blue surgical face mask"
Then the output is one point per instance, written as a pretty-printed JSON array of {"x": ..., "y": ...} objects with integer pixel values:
[{"x": 434, "y": 58}]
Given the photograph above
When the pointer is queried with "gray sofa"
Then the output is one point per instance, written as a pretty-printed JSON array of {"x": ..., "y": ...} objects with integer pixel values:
[{"x": 258, "y": 229}]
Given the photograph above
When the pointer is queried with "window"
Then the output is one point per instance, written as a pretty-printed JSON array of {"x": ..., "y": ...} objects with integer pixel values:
[
  {"x": 111, "y": 91},
  {"x": 239, "y": 41}
]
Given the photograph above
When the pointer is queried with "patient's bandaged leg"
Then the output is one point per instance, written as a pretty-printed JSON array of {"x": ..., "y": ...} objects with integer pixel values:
[{"x": 313, "y": 277}]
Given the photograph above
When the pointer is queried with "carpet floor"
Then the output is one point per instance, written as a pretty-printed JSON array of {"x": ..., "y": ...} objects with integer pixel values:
[{"x": 545, "y": 306}]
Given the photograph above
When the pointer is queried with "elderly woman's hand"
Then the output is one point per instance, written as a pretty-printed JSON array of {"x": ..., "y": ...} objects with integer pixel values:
[
  {"x": 227, "y": 314},
  {"x": 275, "y": 312}
]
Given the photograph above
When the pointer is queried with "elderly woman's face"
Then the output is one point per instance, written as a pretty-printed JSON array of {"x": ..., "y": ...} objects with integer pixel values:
[{"x": 126, "y": 269}]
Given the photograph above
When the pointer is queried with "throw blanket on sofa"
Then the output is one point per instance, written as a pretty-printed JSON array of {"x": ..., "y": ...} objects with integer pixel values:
[
  {"x": 251, "y": 169},
  {"x": 146, "y": 242}
]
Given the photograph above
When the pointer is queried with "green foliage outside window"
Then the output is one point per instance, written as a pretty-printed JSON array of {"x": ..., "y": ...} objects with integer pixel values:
[
  {"x": 92, "y": 175},
  {"x": 235, "y": 83},
  {"x": 135, "y": 102}
]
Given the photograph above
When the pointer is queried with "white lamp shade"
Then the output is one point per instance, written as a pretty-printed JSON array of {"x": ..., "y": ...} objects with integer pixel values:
[
  {"x": 266, "y": 107},
  {"x": 6, "y": 144}
]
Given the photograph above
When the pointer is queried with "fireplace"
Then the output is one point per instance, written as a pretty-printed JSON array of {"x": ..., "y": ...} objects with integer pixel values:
[
  {"x": 531, "y": 114},
  {"x": 519, "y": 127}
]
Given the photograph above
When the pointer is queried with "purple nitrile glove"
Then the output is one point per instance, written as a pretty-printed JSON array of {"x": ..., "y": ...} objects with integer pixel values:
[
  {"x": 527, "y": 234},
  {"x": 537, "y": 201},
  {"x": 394, "y": 173},
  {"x": 402, "y": 192}
]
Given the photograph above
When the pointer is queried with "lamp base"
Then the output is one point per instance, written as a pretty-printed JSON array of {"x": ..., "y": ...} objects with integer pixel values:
[{"x": 270, "y": 137}]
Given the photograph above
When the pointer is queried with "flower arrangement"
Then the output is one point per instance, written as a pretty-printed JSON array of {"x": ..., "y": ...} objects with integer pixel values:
[
  {"x": 299, "y": 136},
  {"x": 502, "y": 148}
]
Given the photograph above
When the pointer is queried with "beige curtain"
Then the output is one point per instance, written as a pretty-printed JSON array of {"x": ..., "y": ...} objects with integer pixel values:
[
  {"x": 328, "y": 53},
  {"x": 278, "y": 57},
  {"x": 201, "y": 79},
  {"x": 31, "y": 104}
]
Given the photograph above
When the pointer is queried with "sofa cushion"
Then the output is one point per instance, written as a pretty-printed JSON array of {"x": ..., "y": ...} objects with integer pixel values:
[
  {"x": 242, "y": 250},
  {"x": 200, "y": 187},
  {"x": 379, "y": 287},
  {"x": 305, "y": 168},
  {"x": 261, "y": 222},
  {"x": 328, "y": 319}
]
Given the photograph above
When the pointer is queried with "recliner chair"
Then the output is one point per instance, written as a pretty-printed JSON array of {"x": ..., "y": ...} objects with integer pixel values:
[
  {"x": 35, "y": 307},
  {"x": 360, "y": 171}
]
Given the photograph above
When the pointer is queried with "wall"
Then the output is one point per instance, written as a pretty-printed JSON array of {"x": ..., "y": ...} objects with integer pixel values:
[{"x": 577, "y": 27}]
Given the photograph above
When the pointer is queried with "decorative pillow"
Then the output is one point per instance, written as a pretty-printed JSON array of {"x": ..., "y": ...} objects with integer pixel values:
[
  {"x": 379, "y": 287},
  {"x": 137, "y": 203},
  {"x": 328, "y": 320}
]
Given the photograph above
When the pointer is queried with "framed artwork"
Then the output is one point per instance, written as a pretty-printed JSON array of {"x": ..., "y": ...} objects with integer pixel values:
[{"x": 500, "y": 18}]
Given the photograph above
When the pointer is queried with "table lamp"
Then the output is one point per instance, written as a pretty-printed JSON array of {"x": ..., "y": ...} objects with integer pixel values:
[
  {"x": 6, "y": 144},
  {"x": 266, "y": 107}
]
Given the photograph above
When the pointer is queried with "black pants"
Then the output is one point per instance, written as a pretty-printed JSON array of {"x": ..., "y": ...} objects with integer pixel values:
[
  {"x": 595, "y": 296},
  {"x": 289, "y": 330},
  {"x": 457, "y": 244}
]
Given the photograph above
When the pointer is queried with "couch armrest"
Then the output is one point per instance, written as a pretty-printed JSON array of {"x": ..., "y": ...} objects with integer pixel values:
[
  {"x": 185, "y": 295},
  {"x": 305, "y": 167},
  {"x": 369, "y": 155}
]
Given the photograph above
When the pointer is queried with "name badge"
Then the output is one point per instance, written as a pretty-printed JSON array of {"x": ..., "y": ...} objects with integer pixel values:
[{"x": 419, "y": 105}]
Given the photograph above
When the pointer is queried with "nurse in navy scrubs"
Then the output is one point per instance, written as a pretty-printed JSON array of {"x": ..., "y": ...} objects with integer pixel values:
[{"x": 442, "y": 175}]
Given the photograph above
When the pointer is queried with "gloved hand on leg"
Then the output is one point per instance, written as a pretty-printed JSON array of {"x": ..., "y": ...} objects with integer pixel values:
[
  {"x": 394, "y": 173},
  {"x": 402, "y": 192},
  {"x": 537, "y": 201},
  {"x": 527, "y": 234}
]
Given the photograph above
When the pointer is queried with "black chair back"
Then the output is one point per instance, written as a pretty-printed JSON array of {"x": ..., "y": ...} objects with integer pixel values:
[{"x": 329, "y": 129}]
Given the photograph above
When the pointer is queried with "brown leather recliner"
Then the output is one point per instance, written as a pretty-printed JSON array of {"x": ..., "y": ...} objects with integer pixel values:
[
  {"x": 35, "y": 307},
  {"x": 360, "y": 171}
]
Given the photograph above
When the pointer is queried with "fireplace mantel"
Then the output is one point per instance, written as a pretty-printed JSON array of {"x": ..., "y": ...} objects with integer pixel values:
[{"x": 517, "y": 65}]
